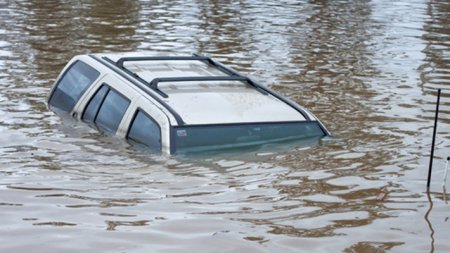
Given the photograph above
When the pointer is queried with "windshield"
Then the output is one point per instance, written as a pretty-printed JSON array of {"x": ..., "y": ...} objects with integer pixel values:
[{"x": 206, "y": 137}]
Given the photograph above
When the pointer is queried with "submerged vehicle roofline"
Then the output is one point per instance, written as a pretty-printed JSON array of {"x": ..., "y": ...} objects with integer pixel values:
[{"x": 151, "y": 87}]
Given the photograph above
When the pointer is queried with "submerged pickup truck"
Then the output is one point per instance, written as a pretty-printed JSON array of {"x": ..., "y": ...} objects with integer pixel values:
[{"x": 177, "y": 104}]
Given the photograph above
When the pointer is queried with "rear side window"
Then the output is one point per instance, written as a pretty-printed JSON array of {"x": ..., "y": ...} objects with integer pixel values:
[
  {"x": 145, "y": 131},
  {"x": 72, "y": 85},
  {"x": 106, "y": 109},
  {"x": 92, "y": 109}
]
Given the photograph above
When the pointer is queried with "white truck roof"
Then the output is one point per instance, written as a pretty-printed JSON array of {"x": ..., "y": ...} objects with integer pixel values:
[{"x": 208, "y": 101}]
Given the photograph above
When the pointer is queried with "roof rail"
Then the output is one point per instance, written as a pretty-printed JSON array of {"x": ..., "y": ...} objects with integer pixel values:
[
  {"x": 232, "y": 75},
  {"x": 120, "y": 62},
  {"x": 194, "y": 57},
  {"x": 154, "y": 82},
  {"x": 219, "y": 66}
]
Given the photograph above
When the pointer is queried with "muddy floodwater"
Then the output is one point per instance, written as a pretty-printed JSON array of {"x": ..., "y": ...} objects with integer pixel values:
[{"x": 369, "y": 70}]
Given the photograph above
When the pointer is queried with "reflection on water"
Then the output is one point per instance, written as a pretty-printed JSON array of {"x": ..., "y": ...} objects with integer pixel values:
[{"x": 368, "y": 69}]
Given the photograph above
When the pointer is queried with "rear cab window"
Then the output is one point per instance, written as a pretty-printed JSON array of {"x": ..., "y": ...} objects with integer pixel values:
[
  {"x": 72, "y": 85},
  {"x": 194, "y": 138}
]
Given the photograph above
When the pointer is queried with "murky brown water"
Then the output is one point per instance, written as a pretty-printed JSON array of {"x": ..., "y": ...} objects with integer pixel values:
[{"x": 368, "y": 69}]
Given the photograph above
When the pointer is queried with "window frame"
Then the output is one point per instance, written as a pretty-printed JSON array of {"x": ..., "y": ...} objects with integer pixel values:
[
  {"x": 139, "y": 109},
  {"x": 61, "y": 77},
  {"x": 94, "y": 123}
]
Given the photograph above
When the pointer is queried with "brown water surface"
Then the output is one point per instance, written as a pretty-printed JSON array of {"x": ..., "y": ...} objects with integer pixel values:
[{"x": 368, "y": 69}]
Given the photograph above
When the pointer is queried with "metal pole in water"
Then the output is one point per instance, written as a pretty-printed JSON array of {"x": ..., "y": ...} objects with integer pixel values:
[
  {"x": 434, "y": 138},
  {"x": 445, "y": 172}
]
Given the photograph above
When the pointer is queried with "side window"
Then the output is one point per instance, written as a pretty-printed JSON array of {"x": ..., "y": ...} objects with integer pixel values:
[
  {"x": 91, "y": 110},
  {"x": 106, "y": 109},
  {"x": 72, "y": 85},
  {"x": 144, "y": 130}
]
